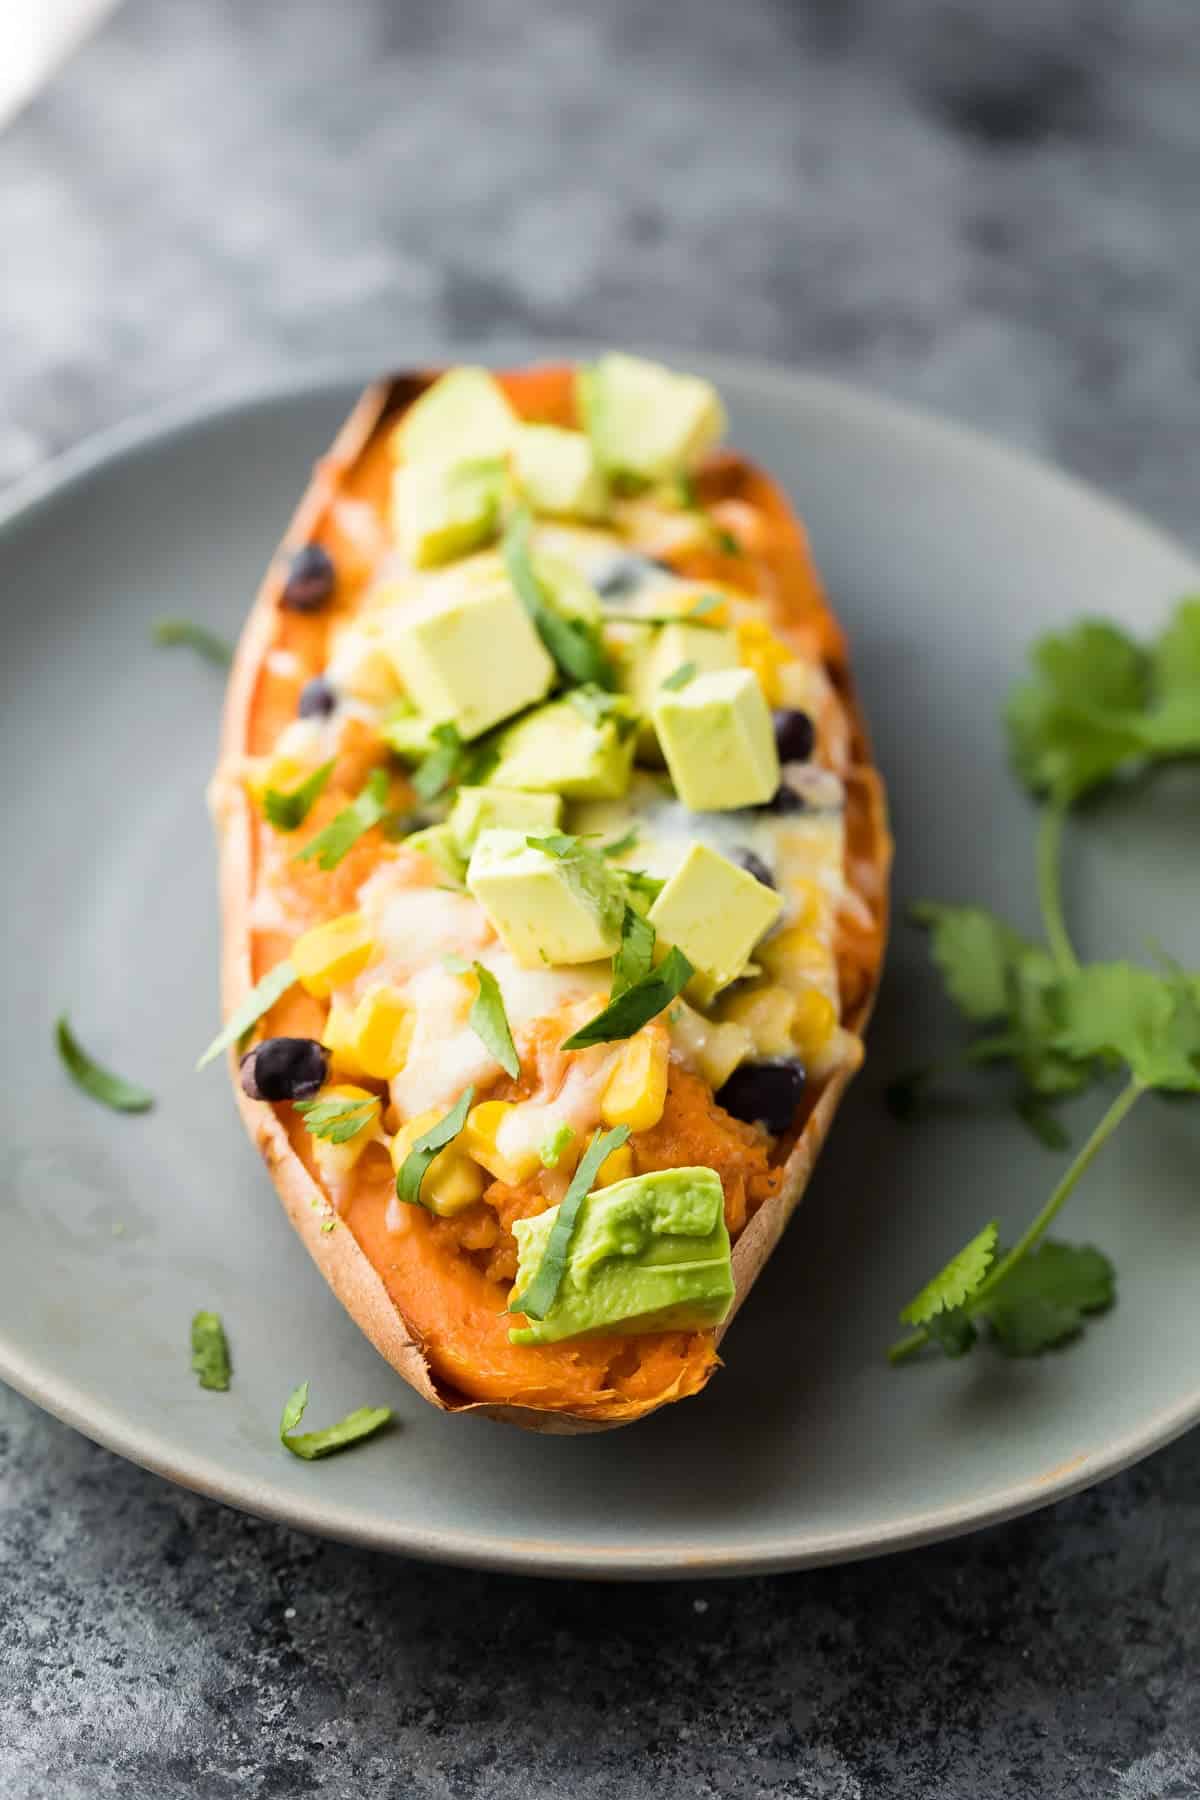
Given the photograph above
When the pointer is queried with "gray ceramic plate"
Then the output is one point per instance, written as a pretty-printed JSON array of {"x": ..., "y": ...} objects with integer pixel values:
[{"x": 946, "y": 555}]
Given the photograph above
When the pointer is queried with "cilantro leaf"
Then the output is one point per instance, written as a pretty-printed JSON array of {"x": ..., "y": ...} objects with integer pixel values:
[
  {"x": 259, "y": 1000},
  {"x": 337, "y": 1120},
  {"x": 960, "y": 1278},
  {"x": 629, "y": 1011},
  {"x": 542, "y": 1291},
  {"x": 679, "y": 678},
  {"x": 344, "y": 830},
  {"x": 574, "y": 643},
  {"x": 976, "y": 953},
  {"x": 489, "y": 1021},
  {"x": 169, "y": 632},
  {"x": 1044, "y": 1298},
  {"x": 622, "y": 845},
  {"x": 416, "y": 1164},
  {"x": 635, "y": 956},
  {"x": 551, "y": 1151},
  {"x": 111, "y": 1090},
  {"x": 1150, "y": 1021},
  {"x": 310, "y": 1445},
  {"x": 435, "y": 773},
  {"x": 210, "y": 1352},
  {"x": 287, "y": 811}
]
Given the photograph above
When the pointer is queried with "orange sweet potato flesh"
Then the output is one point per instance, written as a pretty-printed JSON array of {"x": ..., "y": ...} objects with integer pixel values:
[{"x": 427, "y": 1305}]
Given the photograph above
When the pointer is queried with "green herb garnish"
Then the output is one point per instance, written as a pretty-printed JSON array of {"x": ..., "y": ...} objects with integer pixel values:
[
  {"x": 210, "y": 1352},
  {"x": 695, "y": 615},
  {"x": 629, "y": 1011},
  {"x": 169, "y": 632},
  {"x": 337, "y": 1120},
  {"x": 287, "y": 811},
  {"x": 551, "y": 1151},
  {"x": 345, "y": 828},
  {"x": 542, "y": 1291},
  {"x": 436, "y": 772},
  {"x": 602, "y": 708},
  {"x": 574, "y": 643},
  {"x": 416, "y": 1164},
  {"x": 635, "y": 955},
  {"x": 111, "y": 1090},
  {"x": 310, "y": 1445},
  {"x": 679, "y": 678},
  {"x": 489, "y": 1021},
  {"x": 259, "y": 1000},
  {"x": 622, "y": 845}
]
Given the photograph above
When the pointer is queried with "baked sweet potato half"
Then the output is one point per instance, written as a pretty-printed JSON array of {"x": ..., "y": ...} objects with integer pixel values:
[{"x": 554, "y": 877}]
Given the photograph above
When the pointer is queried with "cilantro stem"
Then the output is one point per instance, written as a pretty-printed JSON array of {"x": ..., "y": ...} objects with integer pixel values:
[
  {"x": 1129, "y": 1095},
  {"x": 1049, "y": 881}
]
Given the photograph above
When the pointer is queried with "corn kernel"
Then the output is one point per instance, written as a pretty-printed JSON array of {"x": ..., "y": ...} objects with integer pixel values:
[
  {"x": 617, "y": 1166},
  {"x": 767, "y": 1014},
  {"x": 380, "y": 1033},
  {"x": 330, "y": 955},
  {"x": 814, "y": 1024},
  {"x": 796, "y": 953},
  {"x": 452, "y": 1181},
  {"x": 338, "y": 1038},
  {"x": 761, "y": 651},
  {"x": 480, "y": 1137},
  {"x": 335, "y": 1161},
  {"x": 636, "y": 1091},
  {"x": 713, "y": 1050}
]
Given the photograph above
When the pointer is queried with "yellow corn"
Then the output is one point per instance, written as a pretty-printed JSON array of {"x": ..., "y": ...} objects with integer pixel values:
[
  {"x": 761, "y": 651},
  {"x": 280, "y": 772},
  {"x": 767, "y": 1014},
  {"x": 479, "y": 1139},
  {"x": 380, "y": 1032},
  {"x": 794, "y": 954},
  {"x": 338, "y": 1038},
  {"x": 330, "y": 955},
  {"x": 814, "y": 1024},
  {"x": 636, "y": 1091},
  {"x": 617, "y": 1166},
  {"x": 714, "y": 1050},
  {"x": 452, "y": 1181},
  {"x": 337, "y": 1160}
]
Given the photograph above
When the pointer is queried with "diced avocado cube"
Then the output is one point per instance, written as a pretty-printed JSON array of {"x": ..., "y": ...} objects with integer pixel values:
[
  {"x": 715, "y": 913},
  {"x": 568, "y": 748},
  {"x": 647, "y": 1254},
  {"x": 558, "y": 473},
  {"x": 463, "y": 414},
  {"x": 444, "y": 510},
  {"x": 479, "y": 809},
  {"x": 719, "y": 742},
  {"x": 655, "y": 656},
  {"x": 408, "y": 732},
  {"x": 646, "y": 422},
  {"x": 440, "y": 845},
  {"x": 546, "y": 909},
  {"x": 467, "y": 654}
]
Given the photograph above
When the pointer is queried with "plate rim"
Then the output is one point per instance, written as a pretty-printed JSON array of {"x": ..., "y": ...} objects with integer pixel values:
[{"x": 196, "y": 409}]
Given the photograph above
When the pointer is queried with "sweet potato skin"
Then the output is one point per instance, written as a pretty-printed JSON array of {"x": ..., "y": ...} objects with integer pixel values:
[{"x": 259, "y": 701}]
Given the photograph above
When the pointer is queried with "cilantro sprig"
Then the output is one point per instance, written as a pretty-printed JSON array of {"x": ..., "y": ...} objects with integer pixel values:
[
  {"x": 210, "y": 1352},
  {"x": 1098, "y": 708},
  {"x": 287, "y": 810},
  {"x": 109, "y": 1089},
  {"x": 416, "y": 1164},
  {"x": 539, "y": 1296},
  {"x": 309, "y": 1446},
  {"x": 574, "y": 642},
  {"x": 338, "y": 1120},
  {"x": 343, "y": 831}
]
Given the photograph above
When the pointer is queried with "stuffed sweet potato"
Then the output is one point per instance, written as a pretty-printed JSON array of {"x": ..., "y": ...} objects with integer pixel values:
[{"x": 554, "y": 882}]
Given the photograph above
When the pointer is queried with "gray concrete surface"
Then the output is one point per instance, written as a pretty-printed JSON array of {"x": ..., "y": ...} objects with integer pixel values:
[{"x": 990, "y": 210}]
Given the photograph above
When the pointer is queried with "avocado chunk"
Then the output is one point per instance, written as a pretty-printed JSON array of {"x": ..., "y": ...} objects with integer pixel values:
[
  {"x": 719, "y": 742},
  {"x": 466, "y": 651},
  {"x": 464, "y": 413},
  {"x": 648, "y": 1254},
  {"x": 408, "y": 732},
  {"x": 558, "y": 473},
  {"x": 581, "y": 747},
  {"x": 715, "y": 913},
  {"x": 444, "y": 510},
  {"x": 440, "y": 845},
  {"x": 660, "y": 654},
  {"x": 479, "y": 809},
  {"x": 547, "y": 909},
  {"x": 646, "y": 422}
]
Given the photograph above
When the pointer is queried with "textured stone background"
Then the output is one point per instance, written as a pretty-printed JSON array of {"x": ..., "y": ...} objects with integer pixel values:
[{"x": 988, "y": 209}]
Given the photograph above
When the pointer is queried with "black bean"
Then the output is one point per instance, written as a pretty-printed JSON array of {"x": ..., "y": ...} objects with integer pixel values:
[
  {"x": 624, "y": 575},
  {"x": 285, "y": 1068},
  {"x": 795, "y": 734},
  {"x": 318, "y": 698},
  {"x": 754, "y": 865},
  {"x": 766, "y": 1093},
  {"x": 310, "y": 579}
]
